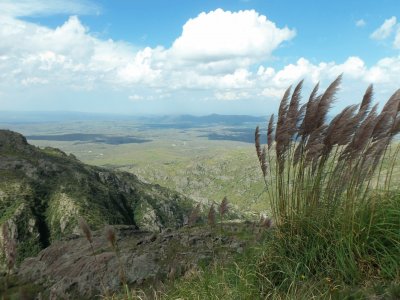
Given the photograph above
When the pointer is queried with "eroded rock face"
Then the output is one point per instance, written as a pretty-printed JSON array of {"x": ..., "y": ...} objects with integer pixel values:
[
  {"x": 44, "y": 191},
  {"x": 69, "y": 269}
]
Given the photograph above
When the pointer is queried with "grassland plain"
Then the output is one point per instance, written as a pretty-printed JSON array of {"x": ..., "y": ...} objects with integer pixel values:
[
  {"x": 204, "y": 162},
  {"x": 185, "y": 158}
]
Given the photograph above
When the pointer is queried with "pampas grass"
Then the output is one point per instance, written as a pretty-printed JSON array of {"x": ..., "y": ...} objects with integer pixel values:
[
  {"x": 325, "y": 168},
  {"x": 223, "y": 209},
  {"x": 211, "y": 218},
  {"x": 194, "y": 216},
  {"x": 88, "y": 235}
]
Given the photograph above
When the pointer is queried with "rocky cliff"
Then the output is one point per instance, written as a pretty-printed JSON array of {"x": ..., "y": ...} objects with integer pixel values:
[{"x": 44, "y": 191}]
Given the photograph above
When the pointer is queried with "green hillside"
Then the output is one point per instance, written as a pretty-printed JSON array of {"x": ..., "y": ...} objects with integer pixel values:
[{"x": 44, "y": 191}]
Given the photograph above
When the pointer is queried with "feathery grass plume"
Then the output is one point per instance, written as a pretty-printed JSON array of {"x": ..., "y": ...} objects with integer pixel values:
[
  {"x": 366, "y": 102},
  {"x": 341, "y": 128},
  {"x": 211, "y": 218},
  {"x": 267, "y": 223},
  {"x": 88, "y": 234},
  {"x": 332, "y": 163},
  {"x": 306, "y": 121},
  {"x": 393, "y": 104},
  {"x": 315, "y": 144},
  {"x": 383, "y": 124},
  {"x": 111, "y": 236},
  {"x": 281, "y": 135},
  {"x": 396, "y": 127},
  {"x": 85, "y": 229},
  {"x": 257, "y": 143},
  {"x": 349, "y": 128},
  {"x": 298, "y": 152},
  {"x": 334, "y": 129},
  {"x": 224, "y": 206},
  {"x": 270, "y": 131},
  {"x": 300, "y": 116},
  {"x": 310, "y": 115},
  {"x": 326, "y": 101},
  {"x": 194, "y": 216},
  {"x": 395, "y": 113},
  {"x": 362, "y": 135},
  {"x": 387, "y": 117},
  {"x": 293, "y": 111},
  {"x": 264, "y": 166},
  {"x": 223, "y": 209},
  {"x": 261, "y": 154}
]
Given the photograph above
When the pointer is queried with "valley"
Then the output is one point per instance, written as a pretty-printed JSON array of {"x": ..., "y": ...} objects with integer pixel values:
[{"x": 202, "y": 158}]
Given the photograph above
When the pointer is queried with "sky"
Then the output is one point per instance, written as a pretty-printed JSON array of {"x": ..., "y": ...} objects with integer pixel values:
[{"x": 192, "y": 57}]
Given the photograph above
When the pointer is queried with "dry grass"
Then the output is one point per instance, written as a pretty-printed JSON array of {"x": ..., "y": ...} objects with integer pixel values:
[{"x": 325, "y": 167}]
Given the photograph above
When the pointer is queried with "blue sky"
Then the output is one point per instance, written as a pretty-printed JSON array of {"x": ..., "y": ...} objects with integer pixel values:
[{"x": 198, "y": 57}]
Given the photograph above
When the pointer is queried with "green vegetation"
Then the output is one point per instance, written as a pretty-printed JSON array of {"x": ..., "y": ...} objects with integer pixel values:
[
  {"x": 186, "y": 160},
  {"x": 43, "y": 192},
  {"x": 337, "y": 213},
  {"x": 317, "y": 262}
]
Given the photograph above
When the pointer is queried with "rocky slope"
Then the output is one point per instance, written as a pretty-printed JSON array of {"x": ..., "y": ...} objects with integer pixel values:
[
  {"x": 44, "y": 191},
  {"x": 68, "y": 269}
]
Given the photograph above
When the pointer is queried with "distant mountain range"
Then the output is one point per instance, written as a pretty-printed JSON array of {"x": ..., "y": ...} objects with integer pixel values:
[{"x": 38, "y": 117}]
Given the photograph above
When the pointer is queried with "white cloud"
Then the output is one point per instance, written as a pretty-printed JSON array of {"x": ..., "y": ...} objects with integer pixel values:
[
  {"x": 220, "y": 35},
  {"x": 386, "y": 71},
  {"x": 226, "y": 61},
  {"x": 272, "y": 93},
  {"x": 135, "y": 98},
  {"x": 384, "y": 75},
  {"x": 69, "y": 55},
  {"x": 231, "y": 95},
  {"x": 396, "y": 42},
  {"x": 21, "y": 8},
  {"x": 385, "y": 30},
  {"x": 33, "y": 80},
  {"x": 361, "y": 23}
]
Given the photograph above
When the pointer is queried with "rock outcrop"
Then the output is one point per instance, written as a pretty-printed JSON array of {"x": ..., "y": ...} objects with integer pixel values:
[{"x": 44, "y": 191}]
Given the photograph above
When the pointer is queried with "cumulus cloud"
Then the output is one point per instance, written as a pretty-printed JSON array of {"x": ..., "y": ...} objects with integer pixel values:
[
  {"x": 357, "y": 76},
  {"x": 220, "y": 55},
  {"x": 361, "y": 23},
  {"x": 69, "y": 55},
  {"x": 220, "y": 35},
  {"x": 385, "y": 30}
]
